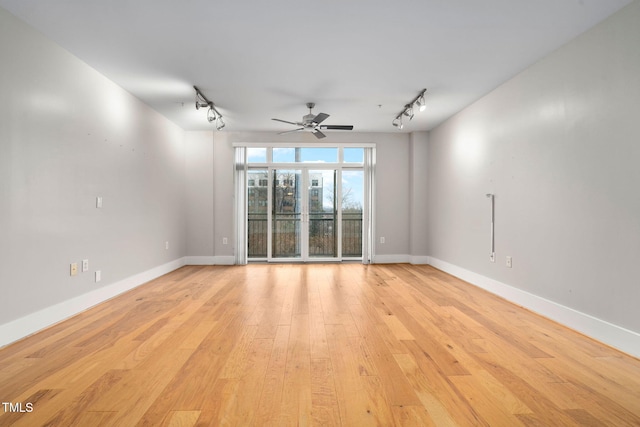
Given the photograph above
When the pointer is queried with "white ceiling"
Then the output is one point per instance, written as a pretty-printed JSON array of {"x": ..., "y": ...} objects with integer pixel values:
[{"x": 359, "y": 60}]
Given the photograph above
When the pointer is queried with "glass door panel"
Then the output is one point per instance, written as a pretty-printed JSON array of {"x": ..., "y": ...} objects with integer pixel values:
[
  {"x": 352, "y": 197},
  {"x": 305, "y": 213},
  {"x": 286, "y": 227},
  {"x": 257, "y": 211},
  {"x": 322, "y": 213}
]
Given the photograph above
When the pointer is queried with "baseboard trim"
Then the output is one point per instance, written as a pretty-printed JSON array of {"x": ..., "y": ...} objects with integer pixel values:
[
  {"x": 210, "y": 260},
  {"x": 391, "y": 259},
  {"x": 400, "y": 259},
  {"x": 225, "y": 260},
  {"x": 34, "y": 322},
  {"x": 200, "y": 260},
  {"x": 419, "y": 260},
  {"x": 623, "y": 339}
]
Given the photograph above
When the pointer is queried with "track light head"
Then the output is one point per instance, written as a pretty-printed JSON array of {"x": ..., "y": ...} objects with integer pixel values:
[
  {"x": 408, "y": 111},
  {"x": 397, "y": 122},
  {"x": 200, "y": 104},
  {"x": 421, "y": 103},
  {"x": 220, "y": 123},
  {"x": 211, "y": 115}
]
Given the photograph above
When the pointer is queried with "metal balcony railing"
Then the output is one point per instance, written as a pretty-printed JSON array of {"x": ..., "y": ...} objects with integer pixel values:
[{"x": 322, "y": 235}]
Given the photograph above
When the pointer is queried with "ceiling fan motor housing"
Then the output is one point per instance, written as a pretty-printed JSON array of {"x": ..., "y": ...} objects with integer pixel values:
[{"x": 308, "y": 119}]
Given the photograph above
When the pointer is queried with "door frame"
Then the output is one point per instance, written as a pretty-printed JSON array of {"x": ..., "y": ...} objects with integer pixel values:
[
  {"x": 242, "y": 166},
  {"x": 304, "y": 239}
]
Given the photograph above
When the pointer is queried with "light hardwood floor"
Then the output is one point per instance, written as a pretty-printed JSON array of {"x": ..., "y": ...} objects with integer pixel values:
[{"x": 322, "y": 345}]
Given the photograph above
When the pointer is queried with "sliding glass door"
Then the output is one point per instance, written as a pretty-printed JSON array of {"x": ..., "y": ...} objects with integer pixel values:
[
  {"x": 322, "y": 214},
  {"x": 257, "y": 213},
  {"x": 303, "y": 214},
  {"x": 304, "y": 208},
  {"x": 287, "y": 214}
]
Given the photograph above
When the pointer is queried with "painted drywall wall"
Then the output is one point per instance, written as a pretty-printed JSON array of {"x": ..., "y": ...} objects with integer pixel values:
[
  {"x": 67, "y": 136},
  {"x": 558, "y": 146},
  {"x": 224, "y": 220},
  {"x": 200, "y": 195},
  {"x": 392, "y": 190},
  {"x": 418, "y": 203}
]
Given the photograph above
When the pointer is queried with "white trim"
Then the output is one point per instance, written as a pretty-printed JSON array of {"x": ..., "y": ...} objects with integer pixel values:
[
  {"x": 200, "y": 260},
  {"x": 400, "y": 259},
  {"x": 34, "y": 322},
  {"x": 415, "y": 260},
  {"x": 240, "y": 223},
  {"x": 210, "y": 260},
  {"x": 224, "y": 260},
  {"x": 391, "y": 259},
  {"x": 608, "y": 333},
  {"x": 369, "y": 212}
]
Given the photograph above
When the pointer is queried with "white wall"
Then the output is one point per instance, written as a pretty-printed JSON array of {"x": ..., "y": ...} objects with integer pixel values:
[
  {"x": 68, "y": 135},
  {"x": 559, "y": 145},
  {"x": 224, "y": 221},
  {"x": 418, "y": 202},
  {"x": 200, "y": 197}
]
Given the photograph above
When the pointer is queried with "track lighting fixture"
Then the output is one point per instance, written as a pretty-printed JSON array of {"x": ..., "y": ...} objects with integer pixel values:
[
  {"x": 213, "y": 115},
  {"x": 408, "y": 109}
]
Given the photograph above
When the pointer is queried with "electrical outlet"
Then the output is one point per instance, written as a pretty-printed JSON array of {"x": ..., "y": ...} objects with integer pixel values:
[
  {"x": 85, "y": 265},
  {"x": 382, "y": 240},
  {"x": 225, "y": 241},
  {"x": 73, "y": 269},
  {"x": 166, "y": 245},
  {"x": 99, "y": 202},
  {"x": 509, "y": 262},
  {"x": 98, "y": 275}
]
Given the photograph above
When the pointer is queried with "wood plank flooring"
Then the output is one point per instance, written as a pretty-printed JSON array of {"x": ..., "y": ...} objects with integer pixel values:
[{"x": 325, "y": 345}]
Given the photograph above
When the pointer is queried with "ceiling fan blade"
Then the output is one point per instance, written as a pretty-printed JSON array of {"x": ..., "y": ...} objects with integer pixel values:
[
  {"x": 284, "y": 121},
  {"x": 337, "y": 127},
  {"x": 321, "y": 117},
  {"x": 319, "y": 134},
  {"x": 289, "y": 131}
]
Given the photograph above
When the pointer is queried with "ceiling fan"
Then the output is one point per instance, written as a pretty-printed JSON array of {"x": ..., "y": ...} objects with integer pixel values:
[{"x": 311, "y": 123}]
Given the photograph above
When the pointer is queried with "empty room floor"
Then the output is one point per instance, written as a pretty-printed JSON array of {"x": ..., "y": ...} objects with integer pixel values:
[{"x": 308, "y": 344}]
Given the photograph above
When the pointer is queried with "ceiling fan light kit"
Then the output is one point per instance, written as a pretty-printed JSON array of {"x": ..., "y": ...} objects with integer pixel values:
[
  {"x": 418, "y": 101},
  {"x": 213, "y": 115},
  {"x": 311, "y": 123}
]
